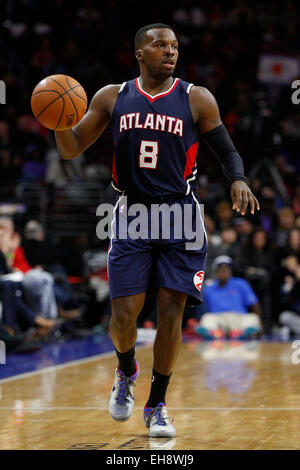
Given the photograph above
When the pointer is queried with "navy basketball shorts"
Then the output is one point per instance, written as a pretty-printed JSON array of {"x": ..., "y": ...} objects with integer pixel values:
[{"x": 161, "y": 245}]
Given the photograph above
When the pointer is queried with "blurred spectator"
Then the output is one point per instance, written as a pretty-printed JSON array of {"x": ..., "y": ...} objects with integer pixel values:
[
  {"x": 296, "y": 201},
  {"x": 243, "y": 227},
  {"x": 37, "y": 284},
  {"x": 267, "y": 215},
  {"x": 39, "y": 251},
  {"x": 34, "y": 169},
  {"x": 227, "y": 301},
  {"x": 18, "y": 314},
  {"x": 286, "y": 220},
  {"x": 290, "y": 291},
  {"x": 211, "y": 233},
  {"x": 19, "y": 343},
  {"x": 292, "y": 247},
  {"x": 256, "y": 264},
  {"x": 224, "y": 215},
  {"x": 227, "y": 245}
]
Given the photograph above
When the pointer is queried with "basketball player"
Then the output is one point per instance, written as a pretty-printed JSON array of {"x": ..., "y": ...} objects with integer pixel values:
[{"x": 156, "y": 122}]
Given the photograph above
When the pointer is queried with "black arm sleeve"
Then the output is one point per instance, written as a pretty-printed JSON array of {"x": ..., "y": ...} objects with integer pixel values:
[{"x": 220, "y": 143}]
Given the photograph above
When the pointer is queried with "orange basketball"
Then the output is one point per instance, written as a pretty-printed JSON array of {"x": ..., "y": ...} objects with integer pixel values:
[{"x": 58, "y": 102}]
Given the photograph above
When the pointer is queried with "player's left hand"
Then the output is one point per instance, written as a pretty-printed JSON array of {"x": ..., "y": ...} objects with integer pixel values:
[{"x": 241, "y": 196}]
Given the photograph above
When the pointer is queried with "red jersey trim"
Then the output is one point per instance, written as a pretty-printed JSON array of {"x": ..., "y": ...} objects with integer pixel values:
[
  {"x": 114, "y": 172},
  {"x": 160, "y": 95},
  {"x": 191, "y": 155}
]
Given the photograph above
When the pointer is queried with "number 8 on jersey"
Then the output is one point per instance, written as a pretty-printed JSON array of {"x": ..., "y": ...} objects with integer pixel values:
[{"x": 148, "y": 154}]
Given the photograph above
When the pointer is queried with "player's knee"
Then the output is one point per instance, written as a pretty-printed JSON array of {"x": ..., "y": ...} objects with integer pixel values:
[
  {"x": 170, "y": 317},
  {"x": 172, "y": 301},
  {"x": 123, "y": 319},
  {"x": 125, "y": 312}
]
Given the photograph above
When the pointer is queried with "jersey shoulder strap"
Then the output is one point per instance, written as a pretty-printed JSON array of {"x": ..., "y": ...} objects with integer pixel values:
[{"x": 186, "y": 86}]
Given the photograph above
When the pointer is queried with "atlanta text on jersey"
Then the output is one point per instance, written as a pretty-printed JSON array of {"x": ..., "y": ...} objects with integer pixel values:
[{"x": 157, "y": 122}]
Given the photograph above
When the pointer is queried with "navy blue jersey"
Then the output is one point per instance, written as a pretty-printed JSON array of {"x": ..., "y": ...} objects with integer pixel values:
[{"x": 156, "y": 141}]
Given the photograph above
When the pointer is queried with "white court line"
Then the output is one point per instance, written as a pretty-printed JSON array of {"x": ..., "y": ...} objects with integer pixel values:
[
  {"x": 63, "y": 366},
  {"x": 100, "y": 408}
]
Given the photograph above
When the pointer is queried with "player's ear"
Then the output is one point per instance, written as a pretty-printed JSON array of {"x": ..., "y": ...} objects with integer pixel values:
[{"x": 139, "y": 54}]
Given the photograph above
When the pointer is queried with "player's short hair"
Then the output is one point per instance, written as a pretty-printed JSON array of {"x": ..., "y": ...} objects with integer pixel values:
[{"x": 142, "y": 31}]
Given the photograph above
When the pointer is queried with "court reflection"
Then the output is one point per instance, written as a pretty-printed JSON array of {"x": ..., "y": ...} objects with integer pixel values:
[
  {"x": 228, "y": 364},
  {"x": 159, "y": 443}
]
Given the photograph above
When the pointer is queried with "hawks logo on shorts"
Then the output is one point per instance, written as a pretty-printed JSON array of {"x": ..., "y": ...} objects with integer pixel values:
[{"x": 198, "y": 279}]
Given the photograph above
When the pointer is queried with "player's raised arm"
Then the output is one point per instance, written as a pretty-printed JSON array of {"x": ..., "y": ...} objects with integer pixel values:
[
  {"x": 206, "y": 114},
  {"x": 73, "y": 142}
]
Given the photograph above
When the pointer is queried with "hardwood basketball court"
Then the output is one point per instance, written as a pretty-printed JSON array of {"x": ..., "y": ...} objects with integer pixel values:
[{"x": 223, "y": 395}]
